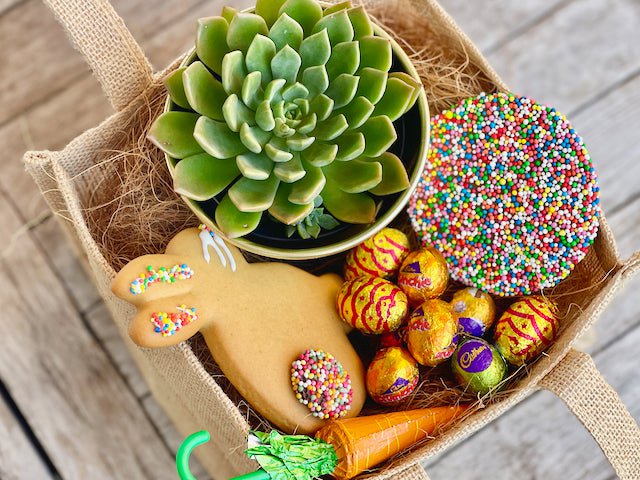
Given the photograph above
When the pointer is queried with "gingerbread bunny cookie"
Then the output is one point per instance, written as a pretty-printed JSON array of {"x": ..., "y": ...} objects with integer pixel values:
[{"x": 256, "y": 319}]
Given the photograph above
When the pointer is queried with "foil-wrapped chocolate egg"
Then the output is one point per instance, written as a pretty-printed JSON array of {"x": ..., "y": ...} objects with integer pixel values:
[
  {"x": 478, "y": 366},
  {"x": 474, "y": 311},
  {"x": 392, "y": 376},
  {"x": 379, "y": 256},
  {"x": 393, "y": 339},
  {"x": 372, "y": 305},
  {"x": 431, "y": 333},
  {"x": 423, "y": 275},
  {"x": 526, "y": 329}
]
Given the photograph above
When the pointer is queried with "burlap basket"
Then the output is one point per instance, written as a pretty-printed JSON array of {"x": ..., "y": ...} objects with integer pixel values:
[{"x": 178, "y": 379}]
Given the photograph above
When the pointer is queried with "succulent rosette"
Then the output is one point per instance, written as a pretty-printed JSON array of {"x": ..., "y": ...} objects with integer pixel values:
[{"x": 284, "y": 110}]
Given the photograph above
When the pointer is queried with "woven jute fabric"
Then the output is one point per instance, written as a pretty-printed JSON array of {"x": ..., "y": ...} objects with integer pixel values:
[{"x": 190, "y": 395}]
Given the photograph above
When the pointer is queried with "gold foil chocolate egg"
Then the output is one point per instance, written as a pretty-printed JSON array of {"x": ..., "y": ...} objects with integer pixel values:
[
  {"x": 478, "y": 366},
  {"x": 474, "y": 310},
  {"x": 526, "y": 329},
  {"x": 372, "y": 305},
  {"x": 379, "y": 256},
  {"x": 392, "y": 376},
  {"x": 432, "y": 332},
  {"x": 423, "y": 275}
]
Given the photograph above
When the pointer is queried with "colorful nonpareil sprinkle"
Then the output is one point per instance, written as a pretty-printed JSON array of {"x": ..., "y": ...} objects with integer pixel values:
[
  {"x": 168, "y": 324},
  {"x": 162, "y": 275},
  {"x": 320, "y": 382},
  {"x": 508, "y": 194}
]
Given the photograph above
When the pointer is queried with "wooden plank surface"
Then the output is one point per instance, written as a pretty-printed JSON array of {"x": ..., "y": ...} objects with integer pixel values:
[
  {"x": 78, "y": 406},
  {"x": 19, "y": 459}
]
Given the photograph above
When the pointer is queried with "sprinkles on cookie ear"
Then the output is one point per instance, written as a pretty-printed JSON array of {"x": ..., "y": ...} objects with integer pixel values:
[
  {"x": 508, "y": 194},
  {"x": 169, "y": 324},
  {"x": 162, "y": 275}
]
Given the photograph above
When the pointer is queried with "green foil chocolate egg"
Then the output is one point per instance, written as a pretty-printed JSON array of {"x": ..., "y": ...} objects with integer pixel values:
[{"x": 478, "y": 366}]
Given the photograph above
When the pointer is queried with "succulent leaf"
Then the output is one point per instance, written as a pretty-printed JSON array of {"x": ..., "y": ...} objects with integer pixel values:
[
  {"x": 304, "y": 12},
  {"x": 350, "y": 146},
  {"x": 343, "y": 89},
  {"x": 320, "y": 154},
  {"x": 233, "y": 72},
  {"x": 372, "y": 84},
  {"x": 228, "y": 13},
  {"x": 362, "y": 26},
  {"x": 356, "y": 208},
  {"x": 217, "y": 139},
  {"x": 331, "y": 128},
  {"x": 201, "y": 177},
  {"x": 204, "y": 92},
  {"x": 337, "y": 7},
  {"x": 233, "y": 222},
  {"x": 315, "y": 49},
  {"x": 255, "y": 166},
  {"x": 355, "y": 176},
  {"x": 236, "y": 113},
  {"x": 254, "y": 195},
  {"x": 307, "y": 189},
  {"x": 396, "y": 99},
  {"x": 290, "y": 171},
  {"x": 175, "y": 87},
  {"x": 259, "y": 56},
  {"x": 173, "y": 133},
  {"x": 345, "y": 58},
  {"x": 211, "y": 42},
  {"x": 339, "y": 28},
  {"x": 357, "y": 112},
  {"x": 287, "y": 108},
  {"x": 286, "y": 64},
  {"x": 379, "y": 135},
  {"x": 269, "y": 9},
  {"x": 286, "y": 212},
  {"x": 394, "y": 175},
  {"x": 243, "y": 29},
  {"x": 286, "y": 31},
  {"x": 375, "y": 52}
]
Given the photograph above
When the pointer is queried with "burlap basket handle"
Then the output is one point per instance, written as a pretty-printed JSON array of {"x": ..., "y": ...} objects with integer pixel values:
[
  {"x": 577, "y": 381},
  {"x": 109, "y": 48}
]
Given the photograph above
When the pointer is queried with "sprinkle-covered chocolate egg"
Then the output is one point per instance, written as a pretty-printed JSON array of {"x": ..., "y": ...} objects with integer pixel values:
[
  {"x": 423, "y": 275},
  {"x": 392, "y": 376},
  {"x": 474, "y": 311},
  {"x": 372, "y": 305},
  {"x": 379, "y": 256},
  {"x": 526, "y": 329},
  {"x": 478, "y": 366},
  {"x": 431, "y": 333}
]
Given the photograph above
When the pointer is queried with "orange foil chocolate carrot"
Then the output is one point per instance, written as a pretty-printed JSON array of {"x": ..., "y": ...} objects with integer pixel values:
[{"x": 362, "y": 443}]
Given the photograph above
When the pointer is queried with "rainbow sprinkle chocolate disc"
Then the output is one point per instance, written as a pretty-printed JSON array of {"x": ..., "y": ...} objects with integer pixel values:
[{"x": 508, "y": 194}]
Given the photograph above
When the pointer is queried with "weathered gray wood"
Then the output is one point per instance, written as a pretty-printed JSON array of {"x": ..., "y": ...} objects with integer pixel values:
[
  {"x": 105, "y": 330},
  {"x": 7, "y": 4},
  {"x": 577, "y": 54},
  {"x": 18, "y": 457},
  {"x": 607, "y": 128},
  {"x": 540, "y": 438},
  {"x": 490, "y": 22},
  {"x": 170, "y": 435},
  {"x": 78, "y": 406},
  {"x": 66, "y": 264}
]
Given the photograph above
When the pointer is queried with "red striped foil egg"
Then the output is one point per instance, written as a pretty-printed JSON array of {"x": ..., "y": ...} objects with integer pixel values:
[
  {"x": 527, "y": 328},
  {"x": 372, "y": 305},
  {"x": 379, "y": 256}
]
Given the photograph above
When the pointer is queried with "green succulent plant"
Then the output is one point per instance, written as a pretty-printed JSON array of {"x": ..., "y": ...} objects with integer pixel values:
[{"x": 284, "y": 106}]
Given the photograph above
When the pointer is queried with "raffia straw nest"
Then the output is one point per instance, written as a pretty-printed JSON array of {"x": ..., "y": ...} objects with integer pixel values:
[{"x": 134, "y": 210}]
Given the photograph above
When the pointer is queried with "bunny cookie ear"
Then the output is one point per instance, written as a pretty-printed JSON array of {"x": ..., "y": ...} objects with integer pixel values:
[
  {"x": 152, "y": 277},
  {"x": 169, "y": 321},
  {"x": 210, "y": 247}
]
